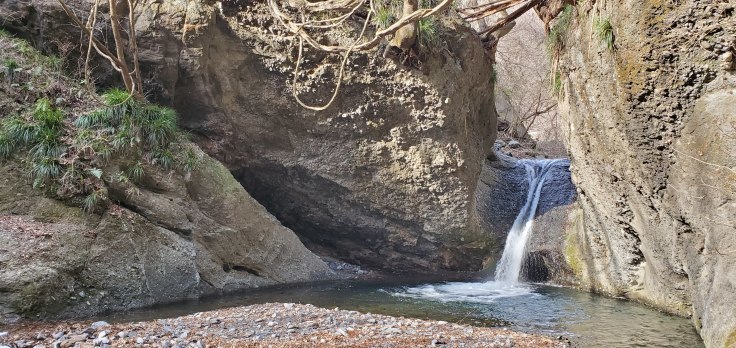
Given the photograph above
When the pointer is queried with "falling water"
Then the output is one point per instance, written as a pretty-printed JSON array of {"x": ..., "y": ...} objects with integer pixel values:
[
  {"x": 509, "y": 267},
  {"x": 506, "y": 284}
]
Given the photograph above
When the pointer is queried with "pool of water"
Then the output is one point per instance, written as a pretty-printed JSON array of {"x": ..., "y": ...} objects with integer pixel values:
[{"x": 588, "y": 320}]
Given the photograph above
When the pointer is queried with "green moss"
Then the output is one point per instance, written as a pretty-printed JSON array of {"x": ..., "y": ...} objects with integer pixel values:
[
  {"x": 557, "y": 84},
  {"x": 52, "y": 211},
  {"x": 572, "y": 254},
  {"x": 730, "y": 340}
]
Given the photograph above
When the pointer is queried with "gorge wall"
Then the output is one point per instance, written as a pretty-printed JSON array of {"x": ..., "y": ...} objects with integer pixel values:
[
  {"x": 385, "y": 177},
  {"x": 651, "y": 130}
]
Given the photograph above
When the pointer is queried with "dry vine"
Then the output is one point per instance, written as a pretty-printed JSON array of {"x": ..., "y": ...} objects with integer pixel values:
[
  {"x": 342, "y": 10},
  {"x": 118, "y": 60}
]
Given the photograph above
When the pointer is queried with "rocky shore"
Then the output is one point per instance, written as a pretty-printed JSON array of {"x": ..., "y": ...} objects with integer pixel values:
[{"x": 269, "y": 325}]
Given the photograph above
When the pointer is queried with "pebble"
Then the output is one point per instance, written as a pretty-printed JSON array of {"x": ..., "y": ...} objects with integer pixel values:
[
  {"x": 301, "y": 325},
  {"x": 513, "y": 144},
  {"x": 98, "y": 324}
]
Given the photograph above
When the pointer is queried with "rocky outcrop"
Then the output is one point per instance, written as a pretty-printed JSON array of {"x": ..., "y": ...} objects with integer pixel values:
[
  {"x": 650, "y": 125},
  {"x": 169, "y": 238},
  {"x": 384, "y": 177}
]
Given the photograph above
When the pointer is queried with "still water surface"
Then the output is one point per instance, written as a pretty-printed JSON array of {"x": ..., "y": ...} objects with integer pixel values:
[{"x": 588, "y": 320}]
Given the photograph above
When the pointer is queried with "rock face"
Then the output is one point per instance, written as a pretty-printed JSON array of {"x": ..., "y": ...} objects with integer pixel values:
[
  {"x": 651, "y": 132},
  {"x": 384, "y": 177},
  {"x": 171, "y": 238}
]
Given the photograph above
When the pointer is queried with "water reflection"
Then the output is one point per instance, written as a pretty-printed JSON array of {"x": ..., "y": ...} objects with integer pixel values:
[{"x": 587, "y": 319}]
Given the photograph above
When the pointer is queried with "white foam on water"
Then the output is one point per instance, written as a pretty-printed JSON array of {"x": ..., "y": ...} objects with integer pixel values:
[
  {"x": 508, "y": 269},
  {"x": 470, "y": 292}
]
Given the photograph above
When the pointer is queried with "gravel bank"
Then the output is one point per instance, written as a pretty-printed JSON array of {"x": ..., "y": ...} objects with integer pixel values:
[{"x": 269, "y": 325}]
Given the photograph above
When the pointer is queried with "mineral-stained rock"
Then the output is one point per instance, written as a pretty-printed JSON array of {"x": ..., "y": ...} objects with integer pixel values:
[{"x": 650, "y": 126}]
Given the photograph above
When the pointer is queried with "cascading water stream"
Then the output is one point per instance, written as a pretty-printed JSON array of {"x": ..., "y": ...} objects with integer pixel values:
[
  {"x": 509, "y": 267},
  {"x": 506, "y": 282}
]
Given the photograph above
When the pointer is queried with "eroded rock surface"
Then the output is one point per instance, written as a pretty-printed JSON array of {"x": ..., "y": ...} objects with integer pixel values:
[
  {"x": 650, "y": 126},
  {"x": 170, "y": 238},
  {"x": 384, "y": 177}
]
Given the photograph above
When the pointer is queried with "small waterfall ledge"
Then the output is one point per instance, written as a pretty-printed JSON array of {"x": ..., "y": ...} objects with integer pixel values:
[
  {"x": 508, "y": 269},
  {"x": 529, "y": 199}
]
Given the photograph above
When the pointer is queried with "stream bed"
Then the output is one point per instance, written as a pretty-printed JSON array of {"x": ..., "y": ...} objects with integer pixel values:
[{"x": 588, "y": 320}]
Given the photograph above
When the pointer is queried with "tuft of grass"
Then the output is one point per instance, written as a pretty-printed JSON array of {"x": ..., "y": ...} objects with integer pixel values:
[
  {"x": 7, "y": 146},
  {"x": 557, "y": 83},
  {"x": 158, "y": 124},
  {"x": 604, "y": 31},
  {"x": 19, "y": 131},
  {"x": 558, "y": 32},
  {"x": 164, "y": 158},
  {"x": 10, "y": 69},
  {"x": 385, "y": 16},
  {"x": 428, "y": 32},
  {"x": 45, "y": 169},
  {"x": 93, "y": 199},
  {"x": 189, "y": 161},
  {"x": 136, "y": 172}
]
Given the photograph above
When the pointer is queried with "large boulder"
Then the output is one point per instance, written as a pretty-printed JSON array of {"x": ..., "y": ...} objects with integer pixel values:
[
  {"x": 168, "y": 238},
  {"x": 650, "y": 127}
]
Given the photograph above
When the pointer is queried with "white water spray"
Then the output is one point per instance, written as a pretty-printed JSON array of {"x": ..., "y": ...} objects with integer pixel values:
[
  {"x": 509, "y": 267},
  {"x": 506, "y": 283}
]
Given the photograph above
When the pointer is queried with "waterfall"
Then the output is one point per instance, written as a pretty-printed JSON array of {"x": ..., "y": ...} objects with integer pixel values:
[{"x": 509, "y": 267}]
